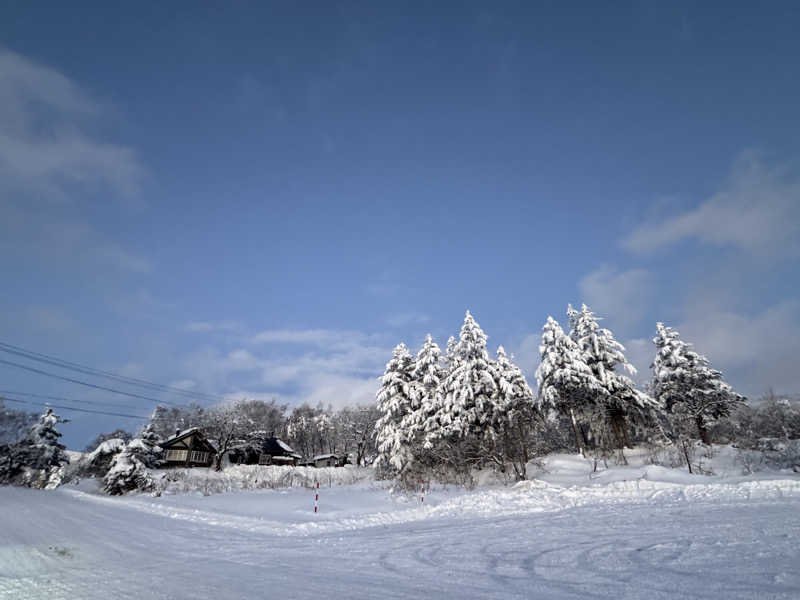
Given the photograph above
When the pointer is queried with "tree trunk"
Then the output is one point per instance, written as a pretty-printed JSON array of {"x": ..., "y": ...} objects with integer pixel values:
[
  {"x": 686, "y": 455},
  {"x": 705, "y": 435},
  {"x": 578, "y": 434}
]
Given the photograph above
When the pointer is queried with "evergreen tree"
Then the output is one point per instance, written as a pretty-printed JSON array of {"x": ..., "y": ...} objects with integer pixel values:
[
  {"x": 513, "y": 412},
  {"x": 129, "y": 468},
  {"x": 394, "y": 401},
  {"x": 692, "y": 393},
  {"x": 426, "y": 379},
  {"x": 619, "y": 398},
  {"x": 463, "y": 412},
  {"x": 38, "y": 459},
  {"x": 565, "y": 383}
]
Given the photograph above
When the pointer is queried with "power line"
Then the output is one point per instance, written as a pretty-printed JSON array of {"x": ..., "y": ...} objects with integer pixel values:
[
  {"x": 63, "y": 399},
  {"x": 83, "y": 410},
  {"x": 86, "y": 370},
  {"x": 79, "y": 382}
]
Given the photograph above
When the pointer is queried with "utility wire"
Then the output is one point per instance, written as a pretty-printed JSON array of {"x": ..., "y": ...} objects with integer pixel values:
[
  {"x": 84, "y": 383},
  {"x": 106, "y": 403},
  {"x": 65, "y": 364},
  {"x": 83, "y": 410}
]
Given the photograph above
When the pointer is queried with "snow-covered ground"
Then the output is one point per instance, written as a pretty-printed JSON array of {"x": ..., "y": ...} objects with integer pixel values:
[{"x": 634, "y": 532}]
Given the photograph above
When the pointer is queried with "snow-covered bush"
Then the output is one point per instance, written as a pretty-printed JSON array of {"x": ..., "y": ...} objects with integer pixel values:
[
  {"x": 770, "y": 453},
  {"x": 254, "y": 477},
  {"x": 98, "y": 462},
  {"x": 130, "y": 468}
]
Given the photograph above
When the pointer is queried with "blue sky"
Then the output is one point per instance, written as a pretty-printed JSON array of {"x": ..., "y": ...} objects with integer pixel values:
[{"x": 264, "y": 198}]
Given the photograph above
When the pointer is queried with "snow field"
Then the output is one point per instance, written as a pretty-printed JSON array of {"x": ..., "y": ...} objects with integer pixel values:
[{"x": 627, "y": 532}]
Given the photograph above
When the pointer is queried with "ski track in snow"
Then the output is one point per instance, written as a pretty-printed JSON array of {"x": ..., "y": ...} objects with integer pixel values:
[{"x": 628, "y": 539}]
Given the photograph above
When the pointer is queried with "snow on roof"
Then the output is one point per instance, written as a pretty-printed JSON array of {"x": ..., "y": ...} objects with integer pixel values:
[
  {"x": 284, "y": 445},
  {"x": 323, "y": 456},
  {"x": 178, "y": 436}
]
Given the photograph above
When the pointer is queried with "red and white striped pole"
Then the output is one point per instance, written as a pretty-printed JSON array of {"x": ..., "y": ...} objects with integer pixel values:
[{"x": 316, "y": 499}]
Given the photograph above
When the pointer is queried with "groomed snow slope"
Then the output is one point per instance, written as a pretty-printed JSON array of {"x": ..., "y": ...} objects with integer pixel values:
[{"x": 634, "y": 538}]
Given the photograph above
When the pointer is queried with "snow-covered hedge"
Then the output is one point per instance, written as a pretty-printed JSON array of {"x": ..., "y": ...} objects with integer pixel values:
[
  {"x": 770, "y": 453},
  {"x": 253, "y": 477}
]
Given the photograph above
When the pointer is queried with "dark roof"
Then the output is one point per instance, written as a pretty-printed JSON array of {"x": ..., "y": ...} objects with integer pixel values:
[
  {"x": 186, "y": 433},
  {"x": 277, "y": 447},
  {"x": 179, "y": 436}
]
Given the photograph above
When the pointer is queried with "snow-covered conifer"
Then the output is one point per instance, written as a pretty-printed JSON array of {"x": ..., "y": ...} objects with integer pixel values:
[
  {"x": 691, "y": 392},
  {"x": 565, "y": 383},
  {"x": 38, "y": 460},
  {"x": 129, "y": 468},
  {"x": 513, "y": 411},
  {"x": 426, "y": 379},
  {"x": 605, "y": 357},
  {"x": 465, "y": 403},
  {"x": 394, "y": 401}
]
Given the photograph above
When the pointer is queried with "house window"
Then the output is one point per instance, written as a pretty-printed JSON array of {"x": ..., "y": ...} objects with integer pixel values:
[
  {"x": 199, "y": 457},
  {"x": 176, "y": 455}
]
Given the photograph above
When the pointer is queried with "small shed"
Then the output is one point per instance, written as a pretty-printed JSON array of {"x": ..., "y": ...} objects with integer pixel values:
[
  {"x": 188, "y": 448},
  {"x": 275, "y": 451},
  {"x": 329, "y": 460}
]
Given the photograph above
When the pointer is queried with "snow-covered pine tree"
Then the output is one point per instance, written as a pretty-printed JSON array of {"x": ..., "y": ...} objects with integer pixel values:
[
  {"x": 513, "y": 412},
  {"x": 53, "y": 457},
  {"x": 620, "y": 399},
  {"x": 464, "y": 408},
  {"x": 38, "y": 460},
  {"x": 565, "y": 383},
  {"x": 394, "y": 403},
  {"x": 693, "y": 395},
  {"x": 425, "y": 380},
  {"x": 450, "y": 353}
]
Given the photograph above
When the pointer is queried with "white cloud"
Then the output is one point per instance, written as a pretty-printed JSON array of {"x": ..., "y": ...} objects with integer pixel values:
[
  {"x": 527, "y": 356},
  {"x": 757, "y": 210},
  {"x": 50, "y": 319},
  {"x": 212, "y": 326},
  {"x": 313, "y": 337},
  {"x": 50, "y": 160},
  {"x": 311, "y": 365},
  {"x": 45, "y": 144},
  {"x": 622, "y": 297},
  {"x": 640, "y": 353},
  {"x": 407, "y": 319},
  {"x": 756, "y": 351}
]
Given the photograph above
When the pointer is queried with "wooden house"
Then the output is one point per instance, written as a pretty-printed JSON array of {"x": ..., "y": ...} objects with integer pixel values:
[
  {"x": 275, "y": 451},
  {"x": 329, "y": 460},
  {"x": 268, "y": 451},
  {"x": 188, "y": 448}
]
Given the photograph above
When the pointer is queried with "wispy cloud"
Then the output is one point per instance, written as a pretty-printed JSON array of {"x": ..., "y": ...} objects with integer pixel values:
[
  {"x": 406, "y": 319},
  {"x": 725, "y": 303},
  {"x": 315, "y": 337},
  {"x": 50, "y": 319},
  {"x": 51, "y": 159},
  {"x": 45, "y": 139},
  {"x": 758, "y": 210},
  {"x": 304, "y": 365},
  {"x": 620, "y": 296},
  {"x": 214, "y": 326}
]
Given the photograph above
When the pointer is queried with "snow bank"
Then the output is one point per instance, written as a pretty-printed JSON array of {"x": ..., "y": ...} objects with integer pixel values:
[
  {"x": 288, "y": 512},
  {"x": 236, "y": 478}
]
